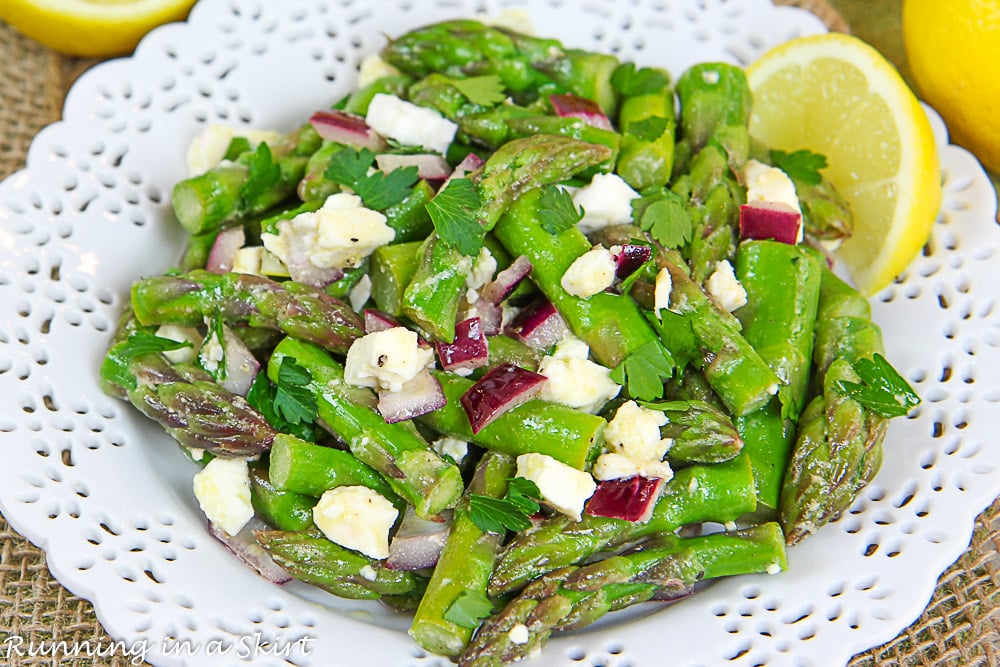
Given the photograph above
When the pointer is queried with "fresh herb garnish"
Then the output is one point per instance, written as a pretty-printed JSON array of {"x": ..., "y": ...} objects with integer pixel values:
[
  {"x": 882, "y": 389},
  {"x": 648, "y": 129},
  {"x": 214, "y": 341},
  {"x": 469, "y": 609},
  {"x": 454, "y": 211},
  {"x": 237, "y": 147},
  {"x": 510, "y": 513},
  {"x": 662, "y": 213},
  {"x": 802, "y": 165},
  {"x": 677, "y": 335},
  {"x": 378, "y": 190},
  {"x": 115, "y": 367},
  {"x": 293, "y": 400},
  {"x": 790, "y": 409},
  {"x": 262, "y": 174},
  {"x": 644, "y": 371},
  {"x": 485, "y": 90},
  {"x": 261, "y": 398},
  {"x": 556, "y": 210},
  {"x": 631, "y": 81}
]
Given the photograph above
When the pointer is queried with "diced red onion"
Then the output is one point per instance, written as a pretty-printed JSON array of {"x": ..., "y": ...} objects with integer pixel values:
[
  {"x": 490, "y": 317},
  {"x": 346, "y": 128},
  {"x": 417, "y": 397},
  {"x": 429, "y": 167},
  {"x": 507, "y": 281},
  {"x": 376, "y": 320},
  {"x": 245, "y": 547},
  {"x": 223, "y": 253},
  {"x": 631, "y": 498},
  {"x": 469, "y": 350},
  {"x": 539, "y": 325},
  {"x": 241, "y": 365},
  {"x": 631, "y": 258},
  {"x": 775, "y": 221},
  {"x": 502, "y": 389},
  {"x": 417, "y": 544},
  {"x": 469, "y": 163},
  {"x": 571, "y": 106}
]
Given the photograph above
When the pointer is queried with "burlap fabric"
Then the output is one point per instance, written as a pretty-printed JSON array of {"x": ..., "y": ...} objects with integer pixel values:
[{"x": 959, "y": 628}]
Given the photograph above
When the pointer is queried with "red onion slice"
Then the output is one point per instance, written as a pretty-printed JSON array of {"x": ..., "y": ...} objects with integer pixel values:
[
  {"x": 766, "y": 220},
  {"x": 469, "y": 163},
  {"x": 490, "y": 317},
  {"x": 539, "y": 325},
  {"x": 417, "y": 544},
  {"x": 417, "y": 397},
  {"x": 502, "y": 389},
  {"x": 631, "y": 258},
  {"x": 346, "y": 128},
  {"x": 571, "y": 106},
  {"x": 429, "y": 167},
  {"x": 244, "y": 546},
  {"x": 507, "y": 281},
  {"x": 223, "y": 253},
  {"x": 300, "y": 268},
  {"x": 241, "y": 365},
  {"x": 469, "y": 350},
  {"x": 376, "y": 320},
  {"x": 631, "y": 498}
]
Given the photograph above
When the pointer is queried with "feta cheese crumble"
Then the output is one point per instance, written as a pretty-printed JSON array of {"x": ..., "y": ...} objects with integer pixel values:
[
  {"x": 356, "y": 517},
  {"x": 607, "y": 200},
  {"x": 590, "y": 273},
  {"x": 725, "y": 288},
  {"x": 519, "y": 634},
  {"x": 574, "y": 380},
  {"x": 373, "y": 68},
  {"x": 340, "y": 234},
  {"x": 482, "y": 270},
  {"x": 223, "y": 491},
  {"x": 386, "y": 359},
  {"x": 767, "y": 183},
  {"x": 453, "y": 447},
  {"x": 360, "y": 293},
  {"x": 661, "y": 292},
  {"x": 409, "y": 124},
  {"x": 634, "y": 444},
  {"x": 181, "y": 355},
  {"x": 563, "y": 487},
  {"x": 209, "y": 146}
]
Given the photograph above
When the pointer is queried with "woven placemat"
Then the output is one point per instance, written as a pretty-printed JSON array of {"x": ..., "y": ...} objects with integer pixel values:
[{"x": 959, "y": 628}]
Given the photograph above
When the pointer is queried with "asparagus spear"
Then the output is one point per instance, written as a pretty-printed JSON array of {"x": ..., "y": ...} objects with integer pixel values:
[
  {"x": 432, "y": 297},
  {"x": 574, "y": 597},
  {"x": 465, "y": 564},
  {"x": 701, "y": 433},
  {"x": 721, "y": 492},
  {"x": 712, "y": 96},
  {"x": 646, "y": 158},
  {"x": 296, "y": 309},
  {"x": 285, "y": 510},
  {"x": 396, "y": 451}
]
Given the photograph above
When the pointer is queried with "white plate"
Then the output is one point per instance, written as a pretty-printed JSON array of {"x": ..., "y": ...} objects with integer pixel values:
[{"x": 108, "y": 495}]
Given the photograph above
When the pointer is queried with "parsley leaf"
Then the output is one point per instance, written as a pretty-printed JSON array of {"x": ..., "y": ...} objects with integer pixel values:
[
  {"x": 556, "y": 210},
  {"x": 648, "y": 129},
  {"x": 293, "y": 400},
  {"x": 206, "y": 359},
  {"x": 378, "y": 190},
  {"x": 802, "y": 165},
  {"x": 882, "y": 389},
  {"x": 789, "y": 406},
  {"x": 485, "y": 91},
  {"x": 631, "y": 81},
  {"x": 469, "y": 609},
  {"x": 262, "y": 174},
  {"x": 510, "y": 513},
  {"x": 261, "y": 398},
  {"x": 115, "y": 367},
  {"x": 237, "y": 147},
  {"x": 454, "y": 211},
  {"x": 676, "y": 334},
  {"x": 644, "y": 371},
  {"x": 664, "y": 216}
]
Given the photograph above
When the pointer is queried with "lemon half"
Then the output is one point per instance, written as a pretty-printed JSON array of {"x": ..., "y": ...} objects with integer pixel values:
[{"x": 835, "y": 95}]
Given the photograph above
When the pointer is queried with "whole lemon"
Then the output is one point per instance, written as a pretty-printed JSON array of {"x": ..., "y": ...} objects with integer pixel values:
[{"x": 953, "y": 47}]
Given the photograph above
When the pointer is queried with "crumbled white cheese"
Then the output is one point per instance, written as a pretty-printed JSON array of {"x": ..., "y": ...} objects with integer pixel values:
[
  {"x": 563, "y": 487},
  {"x": 453, "y": 447},
  {"x": 519, "y": 634},
  {"x": 195, "y": 453},
  {"x": 386, "y": 359},
  {"x": 661, "y": 292},
  {"x": 710, "y": 76},
  {"x": 368, "y": 572},
  {"x": 482, "y": 271},
  {"x": 607, "y": 200},
  {"x": 248, "y": 259},
  {"x": 356, "y": 517},
  {"x": 590, "y": 273},
  {"x": 212, "y": 352},
  {"x": 574, "y": 380},
  {"x": 635, "y": 446},
  {"x": 181, "y": 355},
  {"x": 514, "y": 19},
  {"x": 409, "y": 124},
  {"x": 223, "y": 491},
  {"x": 360, "y": 293},
  {"x": 725, "y": 288},
  {"x": 773, "y": 568},
  {"x": 340, "y": 234},
  {"x": 767, "y": 183},
  {"x": 209, "y": 146},
  {"x": 373, "y": 68}
]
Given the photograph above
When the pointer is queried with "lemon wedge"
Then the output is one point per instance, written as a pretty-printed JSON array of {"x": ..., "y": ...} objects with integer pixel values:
[
  {"x": 91, "y": 27},
  {"x": 835, "y": 95}
]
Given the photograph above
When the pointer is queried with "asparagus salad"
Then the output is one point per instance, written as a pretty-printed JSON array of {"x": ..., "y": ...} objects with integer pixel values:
[{"x": 513, "y": 336}]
